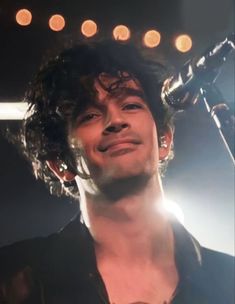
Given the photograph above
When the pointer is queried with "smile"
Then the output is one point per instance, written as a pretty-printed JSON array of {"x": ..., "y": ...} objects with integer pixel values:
[
  {"x": 121, "y": 149},
  {"x": 118, "y": 144}
]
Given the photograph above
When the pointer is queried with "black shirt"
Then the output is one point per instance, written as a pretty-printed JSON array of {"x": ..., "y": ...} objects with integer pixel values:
[{"x": 61, "y": 269}]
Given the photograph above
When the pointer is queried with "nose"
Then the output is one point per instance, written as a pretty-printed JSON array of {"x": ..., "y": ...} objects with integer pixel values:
[{"x": 115, "y": 121}]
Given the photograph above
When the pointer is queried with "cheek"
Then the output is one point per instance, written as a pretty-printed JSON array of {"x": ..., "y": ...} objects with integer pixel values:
[
  {"x": 152, "y": 140},
  {"x": 86, "y": 141},
  {"x": 155, "y": 140},
  {"x": 151, "y": 130}
]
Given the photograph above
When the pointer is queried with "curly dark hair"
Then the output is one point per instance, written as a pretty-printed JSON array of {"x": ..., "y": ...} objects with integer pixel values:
[{"x": 64, "y": 86}]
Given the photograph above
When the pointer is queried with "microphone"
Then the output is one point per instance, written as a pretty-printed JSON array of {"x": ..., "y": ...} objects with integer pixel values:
[{"x": 182, "y": 90}]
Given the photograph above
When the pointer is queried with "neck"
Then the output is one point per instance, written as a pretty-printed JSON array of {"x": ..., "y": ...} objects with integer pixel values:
[{"x": 129, "y": 226}]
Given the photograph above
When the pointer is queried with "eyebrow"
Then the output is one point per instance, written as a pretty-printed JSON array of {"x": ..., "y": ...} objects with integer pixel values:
[{"x": 125, "y": 91}]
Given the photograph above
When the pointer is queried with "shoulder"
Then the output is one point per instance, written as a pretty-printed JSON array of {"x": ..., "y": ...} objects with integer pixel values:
[
  {"x": 218, "y": 269},
  {"x": 16, "y": 265},
  {"x": 37, "y": 252},
  {"x": 49, "y": 260},
  {"x": 217, "y": 262},
  {"x": 17, "y": 256}
]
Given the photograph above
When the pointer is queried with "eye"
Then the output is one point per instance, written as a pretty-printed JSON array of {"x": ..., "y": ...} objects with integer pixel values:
[
  {"x": 132, "y": 106},
  {"x": 88, "y": 117}
]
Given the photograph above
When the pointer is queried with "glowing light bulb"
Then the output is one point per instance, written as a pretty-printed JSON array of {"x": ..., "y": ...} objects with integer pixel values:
[
  {"x": 89, "y": 28},
  {"x": 152, "y": 38},
  {"x": 183, "y": 43},
  {"x": 121, "y": 32},
  {"x": 23, "y": 17},
  {"x": 56, "y": 23}
]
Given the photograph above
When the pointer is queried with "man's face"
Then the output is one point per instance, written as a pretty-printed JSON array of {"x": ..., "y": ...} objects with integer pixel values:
[{"x": 117, "y": 134}]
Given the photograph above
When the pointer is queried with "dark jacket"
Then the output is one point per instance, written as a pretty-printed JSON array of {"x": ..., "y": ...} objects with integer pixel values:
[{"x": 61, "y": 269}]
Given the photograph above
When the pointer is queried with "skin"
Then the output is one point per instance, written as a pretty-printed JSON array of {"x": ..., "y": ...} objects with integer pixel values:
[{"x": 117, "y": 137}]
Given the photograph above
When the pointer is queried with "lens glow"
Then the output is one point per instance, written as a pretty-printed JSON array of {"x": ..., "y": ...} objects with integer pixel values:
[
  {"x": 174, "y": 208},
  {"x": 152, "y": 38},
  {"x": 13, "y": 110},
  {"x": 89, "y": 28},
  {"x": 56, "y": 23},
  {"x": 23, "y": 17},
  {"x": 121, "y": 32},
  {"x": 183, "y": 43}
]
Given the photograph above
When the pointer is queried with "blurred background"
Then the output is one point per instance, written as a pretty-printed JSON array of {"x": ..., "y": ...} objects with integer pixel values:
[{"x": 200, "y": 179}]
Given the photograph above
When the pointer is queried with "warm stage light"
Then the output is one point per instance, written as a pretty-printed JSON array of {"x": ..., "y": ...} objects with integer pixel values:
[
  {"x": 183, "y": 43},
  {"x": 89, "y": 28},
  {"x": 56, "y": 23},
  {"x": 23, "y": 17},
  {"x": 121, "y": 32},
  {"x": 152, "y": 38}
]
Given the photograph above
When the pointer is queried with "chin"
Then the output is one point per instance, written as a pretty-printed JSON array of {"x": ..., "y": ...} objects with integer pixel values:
[
  {"x": 122, "y": 170},
  {"x": 116, "y": 185},
  {"x": 123, "y": 174}
]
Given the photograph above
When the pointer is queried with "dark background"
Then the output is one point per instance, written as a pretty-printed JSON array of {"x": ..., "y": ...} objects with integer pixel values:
[{"x": 200, "y": 178}]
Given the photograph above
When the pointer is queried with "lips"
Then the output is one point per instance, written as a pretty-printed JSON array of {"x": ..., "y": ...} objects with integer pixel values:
[{"x": 119, "y": 142}]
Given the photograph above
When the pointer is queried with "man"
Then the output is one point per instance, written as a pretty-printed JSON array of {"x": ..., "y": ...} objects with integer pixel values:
[{"x": 98, "y": 130}]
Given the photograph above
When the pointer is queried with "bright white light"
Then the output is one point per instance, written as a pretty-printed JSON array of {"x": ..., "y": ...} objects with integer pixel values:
[
  {"x": 13, "y": 110},
  {"x": 174, "y": 208}
]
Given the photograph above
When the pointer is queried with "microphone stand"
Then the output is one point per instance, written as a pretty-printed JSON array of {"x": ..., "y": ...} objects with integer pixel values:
[
  {"x": 222, "y": 115},
  {"x": 197, "y": 77}
]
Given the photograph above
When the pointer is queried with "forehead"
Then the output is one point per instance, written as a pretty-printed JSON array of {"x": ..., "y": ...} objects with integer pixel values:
[{"x": 108, "y": 86}]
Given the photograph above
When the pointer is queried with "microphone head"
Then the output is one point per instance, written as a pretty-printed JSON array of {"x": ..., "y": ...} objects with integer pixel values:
[{"x": 182, "y": 90}]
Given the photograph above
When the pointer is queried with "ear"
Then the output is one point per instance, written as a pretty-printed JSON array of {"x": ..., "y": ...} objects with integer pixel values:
[
  {"x": 59, "y": 168},
  {"x": 166, "y": 140}
]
